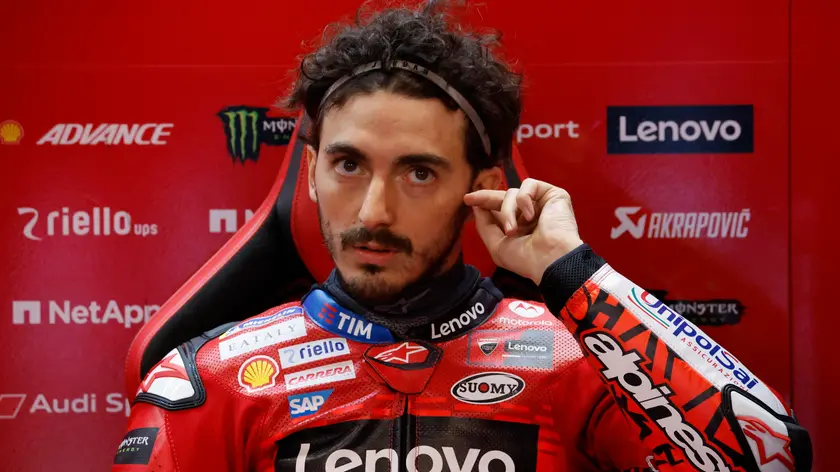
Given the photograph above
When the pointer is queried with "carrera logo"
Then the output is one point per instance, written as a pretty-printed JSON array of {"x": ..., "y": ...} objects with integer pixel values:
[
  {"x": 320, "y": 375},
  {"x": 488, "y": 388}
]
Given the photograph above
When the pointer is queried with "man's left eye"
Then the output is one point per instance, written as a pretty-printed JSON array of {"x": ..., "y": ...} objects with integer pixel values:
[{"x": 421, "y": 175}]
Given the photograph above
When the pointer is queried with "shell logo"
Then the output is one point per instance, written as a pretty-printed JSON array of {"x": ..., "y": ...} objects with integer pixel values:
[
  {"x": 11, "y": 132},
  {"x": 258, "y": 373}
]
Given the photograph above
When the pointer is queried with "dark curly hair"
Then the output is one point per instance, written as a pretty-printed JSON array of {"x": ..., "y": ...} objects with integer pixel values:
[{"x": 429, "y": 36}]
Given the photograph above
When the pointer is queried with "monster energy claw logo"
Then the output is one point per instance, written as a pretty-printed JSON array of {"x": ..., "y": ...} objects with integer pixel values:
[{"x": 247, "y": 128}]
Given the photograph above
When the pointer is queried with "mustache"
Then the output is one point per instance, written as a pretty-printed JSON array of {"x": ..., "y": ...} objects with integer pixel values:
[{"x": 381, "y": 236}]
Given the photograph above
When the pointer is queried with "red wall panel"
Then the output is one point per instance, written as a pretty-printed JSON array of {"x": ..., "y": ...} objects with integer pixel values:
[{"x": 169, "y": 62}]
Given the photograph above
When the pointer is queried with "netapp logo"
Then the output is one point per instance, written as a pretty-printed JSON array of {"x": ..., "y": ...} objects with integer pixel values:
[
  {"x": 680, "y": 129},
  {"x": 29, "y": 312}
]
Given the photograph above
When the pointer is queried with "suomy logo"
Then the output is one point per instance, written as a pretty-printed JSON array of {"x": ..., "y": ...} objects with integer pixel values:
[
  {"x": 487, "y": 388},
  {"x": 98, "y": 221},
  {"x": 681, "y": 225},
  {"x": 65, "y": 134},
  {"x": 680, "y": 129},
  {"x": 623, "y": 368}
]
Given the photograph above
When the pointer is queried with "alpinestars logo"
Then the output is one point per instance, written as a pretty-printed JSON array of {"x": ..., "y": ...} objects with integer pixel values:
[
  {"x": 680, "y": 225},
  {"x": 622, "y": 368},
  {"x": 247, "y": 128}
]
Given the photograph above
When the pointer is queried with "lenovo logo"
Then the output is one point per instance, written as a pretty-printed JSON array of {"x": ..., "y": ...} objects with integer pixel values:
[{"x": 680, "y": 129}]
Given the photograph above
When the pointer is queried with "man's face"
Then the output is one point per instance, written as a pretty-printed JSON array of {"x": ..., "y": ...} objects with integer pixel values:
[{"x": 389, "y": 179}]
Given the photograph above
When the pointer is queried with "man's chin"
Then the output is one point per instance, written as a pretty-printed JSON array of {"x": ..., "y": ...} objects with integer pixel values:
[{"x": 372, "y": 284}]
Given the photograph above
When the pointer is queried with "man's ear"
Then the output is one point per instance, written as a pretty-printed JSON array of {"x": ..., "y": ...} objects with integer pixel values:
[
  {"x": 488, "y": 179},
  {"x": 311, "y": 158}
]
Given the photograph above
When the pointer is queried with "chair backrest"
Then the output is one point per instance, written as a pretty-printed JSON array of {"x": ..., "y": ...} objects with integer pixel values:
[{"x": 274, "y": 258}]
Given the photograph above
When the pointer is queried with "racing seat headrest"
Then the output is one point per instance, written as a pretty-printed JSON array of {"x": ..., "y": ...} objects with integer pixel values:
[{"x": 273, "y": 259}]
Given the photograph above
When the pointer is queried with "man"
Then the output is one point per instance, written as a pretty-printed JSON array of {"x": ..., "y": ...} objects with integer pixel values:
[{"x": 405, "y": 358}]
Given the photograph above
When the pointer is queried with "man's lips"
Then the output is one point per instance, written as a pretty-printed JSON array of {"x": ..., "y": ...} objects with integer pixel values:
[
  {"x": 374, "y": 247},
  {"x": 373, "y": 254}
]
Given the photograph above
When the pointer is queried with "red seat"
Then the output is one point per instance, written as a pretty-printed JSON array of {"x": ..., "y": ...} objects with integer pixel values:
[{"x": 273, "y": 259}]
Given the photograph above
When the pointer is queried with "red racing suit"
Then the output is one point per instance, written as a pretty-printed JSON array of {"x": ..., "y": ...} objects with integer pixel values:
[{"x": 602, "y": 377}]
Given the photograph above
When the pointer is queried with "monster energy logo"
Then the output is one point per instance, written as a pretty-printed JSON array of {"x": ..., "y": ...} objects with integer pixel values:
[{"x": 247, "y": 128}]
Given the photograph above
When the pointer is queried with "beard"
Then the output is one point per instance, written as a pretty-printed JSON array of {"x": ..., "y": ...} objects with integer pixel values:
[{"x": 372, "y": 287}]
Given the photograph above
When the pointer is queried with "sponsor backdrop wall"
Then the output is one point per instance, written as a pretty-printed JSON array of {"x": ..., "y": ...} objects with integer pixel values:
[{"x": 135, "y": 139}]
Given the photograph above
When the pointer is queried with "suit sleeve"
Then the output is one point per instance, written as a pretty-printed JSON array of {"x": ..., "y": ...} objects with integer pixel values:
[
  {"x": 692, "y": 403},
  {"x": 183, "y": 422}
]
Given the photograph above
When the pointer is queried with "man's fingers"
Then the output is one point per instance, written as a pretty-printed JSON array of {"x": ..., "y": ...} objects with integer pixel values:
[
  {"x": 488, "y": 229},
  {"x": 526, "y": 197},
  {"x": 509, "y": 209},
  {"x": 486, "y": 199}
]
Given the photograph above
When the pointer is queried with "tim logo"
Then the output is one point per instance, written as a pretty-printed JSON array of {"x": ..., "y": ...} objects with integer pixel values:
[
  {"x": 247, "y": 128},
  {"x": 680, "y": 129}
]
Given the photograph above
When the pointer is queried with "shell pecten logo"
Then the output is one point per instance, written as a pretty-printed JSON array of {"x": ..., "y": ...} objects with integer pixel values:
[
  {"x": 11, "y": 132},
  {"x": 258, "y": 373}
]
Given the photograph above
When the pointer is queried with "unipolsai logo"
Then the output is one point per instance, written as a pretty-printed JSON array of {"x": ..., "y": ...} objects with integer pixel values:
[{"x": 248, "y": 128}]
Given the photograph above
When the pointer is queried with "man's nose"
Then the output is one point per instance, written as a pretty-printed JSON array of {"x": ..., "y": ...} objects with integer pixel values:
[{"x": 376, "y": 209}]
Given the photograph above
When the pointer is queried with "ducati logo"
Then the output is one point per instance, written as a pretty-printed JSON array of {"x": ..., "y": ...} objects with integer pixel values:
[{"x": 487, "y": 346}]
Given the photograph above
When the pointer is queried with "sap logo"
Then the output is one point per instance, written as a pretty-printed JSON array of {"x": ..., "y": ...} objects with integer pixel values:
[
  {"x": 463, "y": 321},
  {"x": 305, "y": 353},
  {"x": 29, "y": 311},
  {"x": 248, "y": 128},
  {"x": 487, "y": 388},
  {"x": 680, "y": 129},
  {"x": 623, "y": 368},
  {"x": 547, "y": 131},
  {"x": 110, "y": 134},
  {"x": 306, "y": 404},
  {"x": 229, "y": 218},
  {"x": 446, "y": 462},
  {"x": 681, "y": 225},
  {"x": 96, "y": 222}
]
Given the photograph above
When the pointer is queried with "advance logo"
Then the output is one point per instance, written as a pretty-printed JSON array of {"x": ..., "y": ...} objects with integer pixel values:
[{"x": 680, "y": 129}]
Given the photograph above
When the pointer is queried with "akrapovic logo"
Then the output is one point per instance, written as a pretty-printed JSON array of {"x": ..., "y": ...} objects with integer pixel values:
[
  {"x": 680, "y": 129},
  {"x": 622, "y": 368},
  {"x": 634, "y": 221}
]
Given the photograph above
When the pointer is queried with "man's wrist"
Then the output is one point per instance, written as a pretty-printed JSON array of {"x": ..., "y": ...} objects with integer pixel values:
[{"x": 560, "y": 249}]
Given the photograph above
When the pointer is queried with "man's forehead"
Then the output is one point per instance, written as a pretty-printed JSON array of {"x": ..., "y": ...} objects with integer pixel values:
[{"x": 387, "y": 124}]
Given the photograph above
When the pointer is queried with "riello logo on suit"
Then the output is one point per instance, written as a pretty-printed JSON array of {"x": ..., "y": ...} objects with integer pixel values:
[{"x": 696, "y": 129}]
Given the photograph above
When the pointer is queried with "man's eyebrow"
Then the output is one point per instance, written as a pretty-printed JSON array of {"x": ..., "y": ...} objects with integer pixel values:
[{"x": 413, "y": 159}]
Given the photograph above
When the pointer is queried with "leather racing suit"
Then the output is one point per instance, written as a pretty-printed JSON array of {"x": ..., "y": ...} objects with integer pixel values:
[{"x": 457, "y": 378}]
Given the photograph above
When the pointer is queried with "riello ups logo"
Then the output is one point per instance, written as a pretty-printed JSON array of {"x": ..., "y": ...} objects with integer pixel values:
[
  {"x": 700, "y": 129},
  {"x": 248, "y": 128}
]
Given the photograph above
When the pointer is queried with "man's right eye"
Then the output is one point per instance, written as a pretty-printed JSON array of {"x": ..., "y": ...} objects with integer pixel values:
[{"x": 347, "y": 167}]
